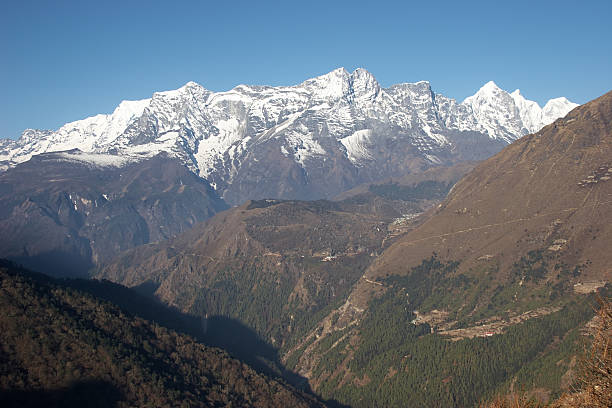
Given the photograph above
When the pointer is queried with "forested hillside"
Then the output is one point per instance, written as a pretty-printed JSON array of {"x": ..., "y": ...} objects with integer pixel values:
[{"x": 63, "y": 347}]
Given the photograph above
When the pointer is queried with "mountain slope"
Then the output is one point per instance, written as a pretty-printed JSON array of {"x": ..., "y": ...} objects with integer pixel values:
[
  {"x": 62, "y": 347},
  {"x": 518, "y": 243},
  {"x": 273, "y": 265},
  {"x": 548, "y": 191},
  {"x": 308, "y": 141},
  {"x": 405, "y": 197},
  {"x": 536, "y": 214},
  {"x": 487, "y": 291},
  {"x": 71, "y": 210}
]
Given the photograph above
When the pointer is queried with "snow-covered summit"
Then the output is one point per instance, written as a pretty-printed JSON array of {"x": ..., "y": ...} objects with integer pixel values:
[
  {"x": 342, "y": 119},
  {"x": 495, "y": 113},
  {"x": 556, "y": 108},
  {"x": 507, "y": 116},
  {"x": 534, "y": 117}
]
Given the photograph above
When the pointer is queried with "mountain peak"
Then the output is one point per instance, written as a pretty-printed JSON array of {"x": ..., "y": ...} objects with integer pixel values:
[
  {"x": 362, "y": 72},
  {"x": 364, "y": 84},
  {"x": 332, "y": 85},
  {"x": 339, "y": 71},
  {"x": 193, "y": 88},
  {"x": 490, "y": 87},
  {"x": 560, "y": 100},
  {"x": 131, "y": 108},
  {"x": 189, "y": 88},
  {"x": 491, "y": 107},
  {"x": 489, "y": 91},
  {"x": 332, "y": 75},
  {"x": 556, "y": 108}
]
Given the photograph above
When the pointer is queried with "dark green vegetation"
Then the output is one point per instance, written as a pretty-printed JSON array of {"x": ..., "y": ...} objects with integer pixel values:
[
  {"x": 269, "y": 305},
  {"x": 476, "y": 294},
  {"x": 592, "y": 372},
  {"x": 61, "y": 346},
  {"x": 396, "y": 362},
  {"x": 430, "y": 282}
]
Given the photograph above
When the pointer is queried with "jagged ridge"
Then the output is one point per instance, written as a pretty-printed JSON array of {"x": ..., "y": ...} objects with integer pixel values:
[{"x": 262, "y": 141}]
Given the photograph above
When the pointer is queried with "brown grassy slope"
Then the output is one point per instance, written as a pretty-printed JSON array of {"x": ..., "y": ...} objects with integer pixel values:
[
  {"x": 272, "y": 231},
  {"x": 524, "y": 198}
]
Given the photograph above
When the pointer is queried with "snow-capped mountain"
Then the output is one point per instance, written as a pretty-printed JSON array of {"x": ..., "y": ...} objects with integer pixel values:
[{"x": 310, "y": 140}]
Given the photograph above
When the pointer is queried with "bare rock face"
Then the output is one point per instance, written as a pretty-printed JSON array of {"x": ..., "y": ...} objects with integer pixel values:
[
  {"x": 308, "y": 141},
  {"x": 70, "y": 211}
]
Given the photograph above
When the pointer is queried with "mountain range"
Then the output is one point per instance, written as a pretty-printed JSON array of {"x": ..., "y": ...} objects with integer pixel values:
[
  {"x": 454, "y": 255},
  {"x": 308, "y": 141},
  {"x": 485, "y": 290}
]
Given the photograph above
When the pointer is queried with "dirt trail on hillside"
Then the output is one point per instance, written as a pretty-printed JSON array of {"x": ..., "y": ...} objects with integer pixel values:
[{"x": 514, "y": 221}]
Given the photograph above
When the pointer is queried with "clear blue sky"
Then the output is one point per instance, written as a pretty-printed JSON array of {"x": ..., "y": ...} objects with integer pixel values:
[{"x": 65, "y": 60}]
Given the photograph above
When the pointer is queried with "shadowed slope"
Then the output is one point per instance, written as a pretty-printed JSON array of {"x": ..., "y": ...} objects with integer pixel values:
[
  {"x": 59, "y": 213},
  {"x": 57, "y": 342}
]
